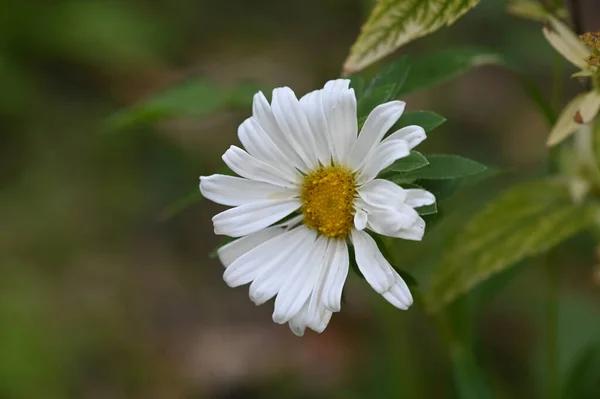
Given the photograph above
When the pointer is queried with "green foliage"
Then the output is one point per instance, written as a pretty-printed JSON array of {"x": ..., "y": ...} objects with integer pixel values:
[
  {"x": 394, "y": 23},
  {"x": 428, "y": 120},
  {"x": 415, "y": 160},
  {"x": 444, "y": 166},
  {"x": 196, "y": 97},
  {"x": 582, "y": 381},
  {"x": 384, "y": 87},
  {"x": 527, "y": 220},
  {"x": 441, "y": 66}
]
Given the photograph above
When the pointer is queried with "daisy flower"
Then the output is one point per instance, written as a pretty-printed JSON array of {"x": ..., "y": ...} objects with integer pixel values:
[{"x": 308, "y": 189}]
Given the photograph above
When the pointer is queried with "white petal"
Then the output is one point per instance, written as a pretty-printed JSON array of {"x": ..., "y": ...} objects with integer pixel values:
[
  {"x": 299, "y": 322},
  {"x": 293, "y": 124},
  {"x": 342, "y": 122},
  {"x": 336, "y": 276},
  {"x": 272, "y": 278},
  {"x": 413, "y": 233},
  {"x": 336, "y": 86},
  {"x": 316, "y": 316},
  {"x": 229, "y": 252},
  {"x": 319, "y": 318},
  {"x": 381, "y": 157},
  {"x": 251, "y": 168},
  {"x": 399, "y": 295},
  {"x": 300, "y": 283},
  {"x": 262, "y": 112},
  {"x": 316, "y": 320},
  {"x": 382, "y": 194},
  {"x": 360, "y": 219},
  {"x": 371, "y": 263},
  {"x": 260, "y": 145},
  {"x": 413, "y": 135},
  {"x": 589, "y": 107},
  {"x": 250, "y": 265},
  {"x": 584, "y": 106},
  {"x": 417, "y": 197},
  {"x": 389, "y": 221},
  {"x": 379, "y": 121},
  {"x": 567, "y": 43},
  {"x": 249, "y": 218},
  {"x": 312, "y": 105},
  {"x": 234, "y": 191}
]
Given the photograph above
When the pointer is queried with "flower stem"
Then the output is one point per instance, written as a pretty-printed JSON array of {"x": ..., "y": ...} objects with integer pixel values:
[{"x": 553, "y": 377}]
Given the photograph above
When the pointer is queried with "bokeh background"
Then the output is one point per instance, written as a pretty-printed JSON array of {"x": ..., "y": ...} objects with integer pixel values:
[{"x": 106, "y": 287}]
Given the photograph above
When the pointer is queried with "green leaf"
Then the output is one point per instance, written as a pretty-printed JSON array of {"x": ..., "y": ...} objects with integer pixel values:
[
  {"x": 415, "y": 160},
  {"x": 525, "y": 221},
  {"x": 428, "y": 120},
  {"x": 427, "y": 209},
  {"x": 443, "y": 167},
  {"x": 582, "y": 381},
  {"x": 394, "y": 23},
  {"x": 372, "y": 99},
  {"x": 358, "y": 84},
  {"x": 384, "y": 87},
  {"x": 196, "y": 97},
  {"x": 468, "y": 377},
  {"x": 438, "y": 67}
]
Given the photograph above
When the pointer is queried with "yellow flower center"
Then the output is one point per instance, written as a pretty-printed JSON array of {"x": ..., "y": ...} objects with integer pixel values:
[
  {"x": 328, "y": 201},
  {"x": 592, "y": 41}
]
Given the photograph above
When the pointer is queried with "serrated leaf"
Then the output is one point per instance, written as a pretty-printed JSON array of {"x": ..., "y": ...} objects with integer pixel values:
[
  {"x": 394, "y": 23},
  {"x": 195, "y": 97},
  {"x": 438, "y": 67},
  {"x": 444, "y": 167},
  {"x": 525, "y": 221},
  {"x": 415, "y": 160},
  {"x": 428, "y": 120}
]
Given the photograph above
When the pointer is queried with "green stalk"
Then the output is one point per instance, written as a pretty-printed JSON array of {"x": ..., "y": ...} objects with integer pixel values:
[{"x": 553, "y": 382}]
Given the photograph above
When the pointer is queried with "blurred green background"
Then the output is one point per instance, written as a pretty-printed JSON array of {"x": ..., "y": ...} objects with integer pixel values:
[{"x": 107, "y": 293}]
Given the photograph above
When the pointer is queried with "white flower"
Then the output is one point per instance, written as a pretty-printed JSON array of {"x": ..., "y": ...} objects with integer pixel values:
[
  {"x": 583, "y": 108},
  {"x": 305, "y": 160}
]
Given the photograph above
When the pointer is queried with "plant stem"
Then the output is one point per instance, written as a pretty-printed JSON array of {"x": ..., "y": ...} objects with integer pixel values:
[{"x": 553, "y": 385}]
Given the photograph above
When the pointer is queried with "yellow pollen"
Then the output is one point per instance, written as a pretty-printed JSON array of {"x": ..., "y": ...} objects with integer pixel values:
[
  {"x": 328, "y": 201},
  {"x": 592, "y": 41}
]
